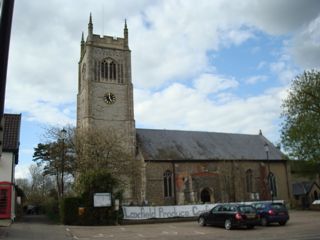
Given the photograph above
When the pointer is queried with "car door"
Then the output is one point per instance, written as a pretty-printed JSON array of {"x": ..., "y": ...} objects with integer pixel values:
[
  {"x": 222, "y": 215},
  {"x": 214, "y": 215}
]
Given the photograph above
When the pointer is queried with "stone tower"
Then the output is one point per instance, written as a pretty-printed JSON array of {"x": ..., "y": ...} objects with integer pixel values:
[{"x": 105, "y": 91}]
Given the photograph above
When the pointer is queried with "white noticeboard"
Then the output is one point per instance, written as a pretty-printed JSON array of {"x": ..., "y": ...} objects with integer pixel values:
[{"x": 102, "y": 200}]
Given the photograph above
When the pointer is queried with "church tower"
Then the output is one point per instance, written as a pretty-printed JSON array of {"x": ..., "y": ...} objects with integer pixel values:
[{"x": 105, "y": 91}]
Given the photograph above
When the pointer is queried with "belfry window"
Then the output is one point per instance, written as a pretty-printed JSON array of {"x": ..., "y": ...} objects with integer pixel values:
[
  {"x": 104, "y": 69},
  {"x": 113, "y": 71},
  {"x": 249, "y": 182},
  {"x": 167, "y": 184},
  {"x": 110, "y": 70}
]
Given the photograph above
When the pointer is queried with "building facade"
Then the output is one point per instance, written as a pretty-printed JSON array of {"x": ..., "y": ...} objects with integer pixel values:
[
  {"x": 175, "y": 167},
  {"x": 8, "y": 162}
]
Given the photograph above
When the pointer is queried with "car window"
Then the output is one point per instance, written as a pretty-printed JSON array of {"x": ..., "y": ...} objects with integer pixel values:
[
  {"x": 217, "y": 209},
  {"x": 247, "y": 209},
  {"x": 225, "y": 208},
  {"x": 259, "y": 205},
  {"x": 233, "y": 209},
  {"x": 278, "y": 207}
]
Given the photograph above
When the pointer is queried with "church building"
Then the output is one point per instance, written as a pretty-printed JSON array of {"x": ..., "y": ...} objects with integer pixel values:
[{"x": 175, "y": 167}]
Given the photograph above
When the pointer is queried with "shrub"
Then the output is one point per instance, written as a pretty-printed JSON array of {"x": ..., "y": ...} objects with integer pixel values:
[
  {"x": 69, "y": 210},
  {"x": 51, "y": 209}
]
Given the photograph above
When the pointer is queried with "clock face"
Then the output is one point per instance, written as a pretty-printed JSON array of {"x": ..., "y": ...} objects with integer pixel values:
[{"x": 109, "y": 98}]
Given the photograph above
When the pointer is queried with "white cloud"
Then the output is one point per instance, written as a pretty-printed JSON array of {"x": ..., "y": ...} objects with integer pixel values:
[
  {"x": 284, "y": 71},
  {"x": 305, "y": 46},
  {"x": 182, "y": 107},
  {"x": 235, "y": 36},
  {"x": 256, "y": 79},
  {"x": 22, "y": 171},
  {"x": 172, "y": 45},
  {"x": 209, "y": 83}
]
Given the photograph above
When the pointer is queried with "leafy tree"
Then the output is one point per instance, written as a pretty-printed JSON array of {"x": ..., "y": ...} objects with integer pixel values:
[
  {"x": 100, "y": 180},
  {"x": 56, "y": 156},
  {"x": 306, "y": 169},
  {"x": 301, "y": 113}
]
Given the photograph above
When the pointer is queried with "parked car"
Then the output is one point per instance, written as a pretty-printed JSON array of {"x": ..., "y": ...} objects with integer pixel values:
[
  {"x": 272, "y": 212},
  {"x": 230, "y": 216}
]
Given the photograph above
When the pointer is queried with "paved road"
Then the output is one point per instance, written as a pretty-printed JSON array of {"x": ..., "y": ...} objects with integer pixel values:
[
  {"x": 35, "y": 227},
  {"x": 303, "y": 225}
]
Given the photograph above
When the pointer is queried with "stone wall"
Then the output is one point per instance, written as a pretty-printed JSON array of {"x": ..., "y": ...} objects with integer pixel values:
[{"x": 221, "y": 181}]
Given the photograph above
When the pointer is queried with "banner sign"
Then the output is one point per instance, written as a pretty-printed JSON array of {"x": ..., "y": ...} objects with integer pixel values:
[{"x": 139, "y": 213}]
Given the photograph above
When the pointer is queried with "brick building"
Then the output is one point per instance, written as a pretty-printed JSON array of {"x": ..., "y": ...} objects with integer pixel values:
[{"x": 175, "y": 167}]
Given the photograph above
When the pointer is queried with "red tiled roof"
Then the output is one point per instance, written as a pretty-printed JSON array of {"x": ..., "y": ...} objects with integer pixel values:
[{"x": 11, "y": 133}]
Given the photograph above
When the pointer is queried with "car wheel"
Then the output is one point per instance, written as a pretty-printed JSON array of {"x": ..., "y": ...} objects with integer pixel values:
[
  {"x": 202, "y": 221},
  {"x": 227, "y": 224},
  {"x": 250, "y": 226},
  {"x": 282, "y": 223},
  {"x": 264, "y": 222}
]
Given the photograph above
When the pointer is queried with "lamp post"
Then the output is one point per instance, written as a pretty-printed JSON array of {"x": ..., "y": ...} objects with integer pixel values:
[
  {"x": 63, "y": 135},
  {"x": 266, "y": 149}
]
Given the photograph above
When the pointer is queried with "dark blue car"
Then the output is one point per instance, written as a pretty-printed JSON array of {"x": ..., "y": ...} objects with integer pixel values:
[{"x": 272, "y": 212}]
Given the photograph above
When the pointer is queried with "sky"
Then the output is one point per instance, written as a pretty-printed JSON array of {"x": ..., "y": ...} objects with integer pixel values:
[{"x": 218, "y": 66}]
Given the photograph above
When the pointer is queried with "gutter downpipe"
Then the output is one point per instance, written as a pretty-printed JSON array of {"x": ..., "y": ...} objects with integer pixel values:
[{"x": 174, "y": 183}]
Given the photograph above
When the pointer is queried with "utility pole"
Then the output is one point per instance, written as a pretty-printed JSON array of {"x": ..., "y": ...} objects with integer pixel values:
[
  {"x": 6, "y": 12},
  {"x": 63, "y": 133},
  {"x": 270, "y": 174}
]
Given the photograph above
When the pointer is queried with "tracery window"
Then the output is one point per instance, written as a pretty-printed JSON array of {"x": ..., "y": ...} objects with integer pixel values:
[
  {"x": 167, "y": 184},
  {"x": 273, "y": 184},
  {"x": 109, "y": 70},
  {"x": 113, "y": 71},
  {"x": 104, "y": 69}
]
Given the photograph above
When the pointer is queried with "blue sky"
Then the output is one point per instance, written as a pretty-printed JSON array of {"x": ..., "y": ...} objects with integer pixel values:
[{"x": 222, "y": 66}]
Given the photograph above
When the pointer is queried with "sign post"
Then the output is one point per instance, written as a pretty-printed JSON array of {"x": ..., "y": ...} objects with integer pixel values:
[{"x": 102, "y": 200}]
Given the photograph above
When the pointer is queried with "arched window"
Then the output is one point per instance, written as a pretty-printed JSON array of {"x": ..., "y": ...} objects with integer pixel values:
[
  {"x": 113, "y": 72},
  {"x": 315, "y": 195},
  {"x": 104, "y": 69},
  {"x": 249, "y": 181},
  {"x": 273, "y": 184},
  {"x": 167, "y": 184}
]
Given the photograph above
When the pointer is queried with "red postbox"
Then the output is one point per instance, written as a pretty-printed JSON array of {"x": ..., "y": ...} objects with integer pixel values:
[{"x": 5, "y": 200}]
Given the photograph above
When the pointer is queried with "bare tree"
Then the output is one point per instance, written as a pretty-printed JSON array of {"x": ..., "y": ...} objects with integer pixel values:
[
  {"x": 38, "y": 187},
  {"x": 97, "y": 150}
]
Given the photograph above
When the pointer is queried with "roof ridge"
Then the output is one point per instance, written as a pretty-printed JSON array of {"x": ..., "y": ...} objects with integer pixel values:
[{"x": 196, "y": 131}]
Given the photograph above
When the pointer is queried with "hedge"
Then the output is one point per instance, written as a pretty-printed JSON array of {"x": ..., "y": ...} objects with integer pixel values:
[{"x": 69, "y": 212}]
